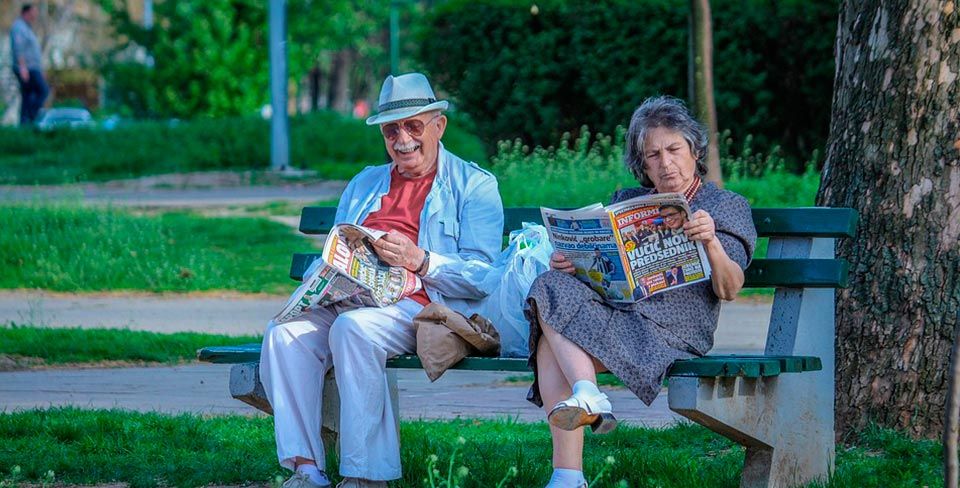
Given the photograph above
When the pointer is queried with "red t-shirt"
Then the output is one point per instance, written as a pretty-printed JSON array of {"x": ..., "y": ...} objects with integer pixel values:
[{"x": 400, "y": 210}]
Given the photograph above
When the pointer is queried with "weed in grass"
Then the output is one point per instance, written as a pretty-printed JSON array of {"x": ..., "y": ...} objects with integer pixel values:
[{"x": 13, "y": 479}]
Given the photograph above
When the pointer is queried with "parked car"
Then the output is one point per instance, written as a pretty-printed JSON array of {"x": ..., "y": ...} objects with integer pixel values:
[{"x": 62, "y": 117}]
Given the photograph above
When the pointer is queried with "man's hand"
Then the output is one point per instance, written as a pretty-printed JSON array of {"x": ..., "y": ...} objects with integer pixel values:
[
  {"x": 398, "y": 250},
  {"x": 560, "y": 262},
  {"x": 24, "y": 73}
]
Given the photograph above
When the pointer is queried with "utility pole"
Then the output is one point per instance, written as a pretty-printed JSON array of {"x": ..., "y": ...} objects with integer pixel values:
[
  {"x": 148, "y": 14},
  {"x": 279, "y": 126},
  {"x": 394, "y": 36}
]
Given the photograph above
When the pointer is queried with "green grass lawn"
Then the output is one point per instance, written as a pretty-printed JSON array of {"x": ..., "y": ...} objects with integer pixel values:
[
  {"x": 146, "y": 450},
  {"x": 334, "y": 145},
  {"x": 71, "y": 248},
  {"x": 73, "y": 345}
]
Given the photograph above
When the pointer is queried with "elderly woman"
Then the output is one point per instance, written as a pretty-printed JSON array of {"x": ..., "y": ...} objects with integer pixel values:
[{"x": 574, "y": 333}]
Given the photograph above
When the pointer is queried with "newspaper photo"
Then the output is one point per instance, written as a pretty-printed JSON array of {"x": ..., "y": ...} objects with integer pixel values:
[
  {"x": 349, "y": 268},
  {"x": 629, "y": 250}
]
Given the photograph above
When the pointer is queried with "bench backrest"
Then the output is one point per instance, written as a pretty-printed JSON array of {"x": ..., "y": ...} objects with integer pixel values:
[{"x": 787, "y": 223}]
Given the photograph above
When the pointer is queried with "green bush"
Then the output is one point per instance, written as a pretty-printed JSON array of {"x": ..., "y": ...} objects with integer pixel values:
[
  {"x": 579, "y": 172},
  {"x": 334, "y": 145},
  {"x": 535, "y": 73}
]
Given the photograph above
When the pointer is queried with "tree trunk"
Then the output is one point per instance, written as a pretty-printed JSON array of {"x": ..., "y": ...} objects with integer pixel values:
[
  {"x": 340, "y": 81},
  {"x": 951, "y": 470},
  {"x": 701, "y": 34},
  {"x": 894, "y": 155},
  {"x": 314, "y": 84}
]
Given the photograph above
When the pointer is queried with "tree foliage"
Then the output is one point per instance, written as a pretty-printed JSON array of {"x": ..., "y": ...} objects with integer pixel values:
[
  {"x": 536, "y": 72},
  {"x": 211, "y": 58}
]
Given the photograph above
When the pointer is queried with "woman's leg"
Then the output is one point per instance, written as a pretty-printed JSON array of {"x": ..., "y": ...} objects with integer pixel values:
[
  {"x": 587, "y": 405},
  {"x": 577, "y": 364},
  {"x": 567, "y": 445}
]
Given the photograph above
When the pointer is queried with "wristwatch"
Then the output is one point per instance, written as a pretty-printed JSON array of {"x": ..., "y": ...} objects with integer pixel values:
[{"x": 424, "y": 265}]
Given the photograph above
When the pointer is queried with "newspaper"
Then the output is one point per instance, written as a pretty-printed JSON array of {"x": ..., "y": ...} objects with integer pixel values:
[
  {"x": 349, "y": 268},
  {"x": 630, "y": 250}
]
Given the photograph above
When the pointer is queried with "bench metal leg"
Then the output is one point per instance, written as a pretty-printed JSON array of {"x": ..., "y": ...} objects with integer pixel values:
[
  {"x": 788, "y": 439},
  {"x": 245, "y": 386},
  {"x": 785, "y": 422}
]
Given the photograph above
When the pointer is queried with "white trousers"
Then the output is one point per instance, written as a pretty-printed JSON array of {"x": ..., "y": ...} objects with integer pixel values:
[{"x": 356, "y": 342}]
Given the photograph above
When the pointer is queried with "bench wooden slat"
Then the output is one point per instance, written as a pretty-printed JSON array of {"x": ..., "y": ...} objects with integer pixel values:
[
  {"x": 794, "y": 273},
  {"x": 749, "y": 366},
  {"x": 797, "y": 273},
  {"x": 246, "y": 353},
  {"x": 770, "y": 222},
  {"x": 470, "y": 363}
]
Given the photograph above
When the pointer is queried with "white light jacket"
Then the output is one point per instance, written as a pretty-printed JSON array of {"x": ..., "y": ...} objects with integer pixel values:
[{"x": 461, "y": 221}]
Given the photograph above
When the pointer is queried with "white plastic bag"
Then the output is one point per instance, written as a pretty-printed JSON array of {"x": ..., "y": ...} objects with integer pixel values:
[{"x": 507, "y": 283}]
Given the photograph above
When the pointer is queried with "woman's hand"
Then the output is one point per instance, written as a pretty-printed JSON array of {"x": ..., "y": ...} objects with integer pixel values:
[
  {"x": 559, "y": 262},
  {"x": 726, "y": 277},
  {"x": 700, "y": 227},
  {"x": 397, "y": 249}
]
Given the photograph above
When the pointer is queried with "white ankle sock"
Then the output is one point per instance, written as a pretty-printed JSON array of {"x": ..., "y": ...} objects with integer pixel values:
[
  {"x": 566, "y": 478},
  {"x": 316, "y": 476},
  {"x": 585, "y": 388}
]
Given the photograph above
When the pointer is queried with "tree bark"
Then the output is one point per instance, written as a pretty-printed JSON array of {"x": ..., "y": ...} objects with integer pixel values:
[
  {"x": 340, "y": 81},
  {"x": 701, "y": 34},
  {"x": 894, "y": 155},
  {"x": 951, "y": 470}
]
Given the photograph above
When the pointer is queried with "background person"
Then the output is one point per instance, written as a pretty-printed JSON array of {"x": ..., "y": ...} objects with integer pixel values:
[{"x": 27, "y": 66}]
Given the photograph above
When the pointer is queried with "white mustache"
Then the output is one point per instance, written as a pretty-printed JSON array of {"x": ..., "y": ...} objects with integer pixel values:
[{"x": 410, "y": 146}]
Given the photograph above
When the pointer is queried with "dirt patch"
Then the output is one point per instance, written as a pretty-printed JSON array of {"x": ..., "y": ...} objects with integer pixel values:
[
  {"x": 122, "y": 485},
  {"x": 18, "y": 363},
  {"x": 29, "y": 293},
  {"x": 12, "y": 362}
]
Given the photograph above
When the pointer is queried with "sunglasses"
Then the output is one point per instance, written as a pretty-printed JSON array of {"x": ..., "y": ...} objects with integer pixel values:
[{"x": 414, "y": 127}]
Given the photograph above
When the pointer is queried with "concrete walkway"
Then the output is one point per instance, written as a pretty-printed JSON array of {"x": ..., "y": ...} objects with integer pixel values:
[
  {"x": 202, "y": 388},
  {"x": 177, "y": 197}
]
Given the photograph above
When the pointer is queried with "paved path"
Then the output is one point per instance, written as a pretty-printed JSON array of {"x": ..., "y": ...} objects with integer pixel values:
[{"x": 185, "y": 197}]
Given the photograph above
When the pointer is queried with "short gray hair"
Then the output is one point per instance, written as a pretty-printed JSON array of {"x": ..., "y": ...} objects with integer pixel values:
[{"x": 670, "y": 113}]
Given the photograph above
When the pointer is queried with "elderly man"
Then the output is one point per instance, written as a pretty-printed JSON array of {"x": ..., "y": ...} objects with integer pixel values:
[{"x": 440, "y": 212}]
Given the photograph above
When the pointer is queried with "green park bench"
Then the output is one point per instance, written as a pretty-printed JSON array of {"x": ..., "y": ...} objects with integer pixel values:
[{"x": 779, "y": 405}]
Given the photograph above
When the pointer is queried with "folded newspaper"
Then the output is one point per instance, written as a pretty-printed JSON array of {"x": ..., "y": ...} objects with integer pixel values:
[
  {"x": 629, "y": 250},
  {"x": 349, "y": 267}
]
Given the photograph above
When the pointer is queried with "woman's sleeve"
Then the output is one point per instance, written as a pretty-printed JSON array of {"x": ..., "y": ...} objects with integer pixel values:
[{"x": 734, "y": 228}]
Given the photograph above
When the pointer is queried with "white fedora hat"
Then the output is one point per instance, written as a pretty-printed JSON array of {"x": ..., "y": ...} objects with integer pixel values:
[{"x": 405, "y": 96}]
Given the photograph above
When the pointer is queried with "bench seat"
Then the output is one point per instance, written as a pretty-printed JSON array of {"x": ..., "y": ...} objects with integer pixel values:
[{"x": 746, "y": 366}]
